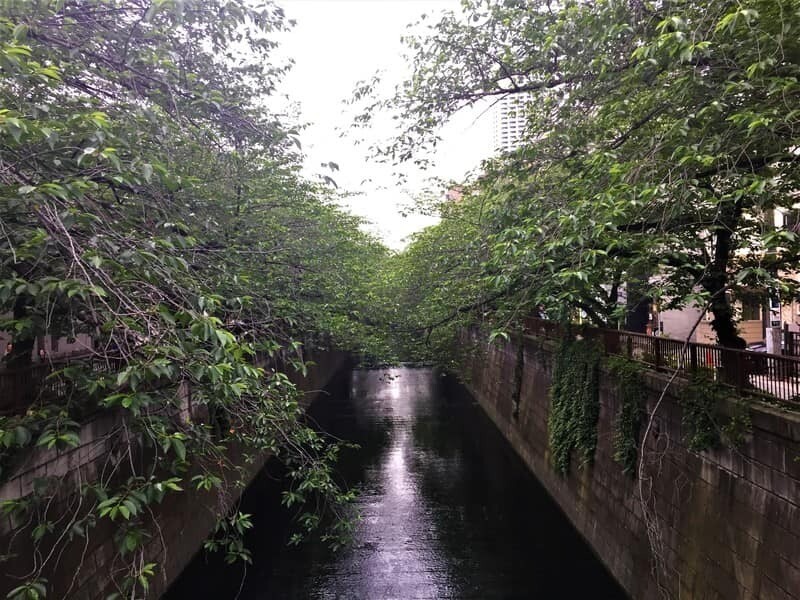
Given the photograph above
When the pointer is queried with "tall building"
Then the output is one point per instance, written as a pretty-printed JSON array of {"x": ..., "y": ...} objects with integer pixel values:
[{"x": 510, "y": 116}]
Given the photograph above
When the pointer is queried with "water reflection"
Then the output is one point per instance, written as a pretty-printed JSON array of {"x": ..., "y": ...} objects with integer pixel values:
[
  {"x": 448, "y": 511},
  {"x": 397, "y": 553}
]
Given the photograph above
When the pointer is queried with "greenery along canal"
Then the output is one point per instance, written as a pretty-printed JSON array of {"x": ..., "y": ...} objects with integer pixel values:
[
  {"x": 447, "y": 510},
  {"x": 153, "y": 206}
]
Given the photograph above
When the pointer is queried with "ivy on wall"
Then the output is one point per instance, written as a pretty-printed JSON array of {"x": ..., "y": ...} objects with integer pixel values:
[
  {"x": 575, "y": 406},
  {"x": 705, "y": 428},
  {"x": 630, "y": 392}
]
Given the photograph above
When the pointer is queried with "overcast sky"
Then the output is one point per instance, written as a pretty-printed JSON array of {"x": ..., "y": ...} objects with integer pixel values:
[{"x": 337, "y": 43}]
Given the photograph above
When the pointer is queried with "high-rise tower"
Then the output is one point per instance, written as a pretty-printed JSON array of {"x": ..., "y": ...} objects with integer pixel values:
[{"x": 510, "y": 116}]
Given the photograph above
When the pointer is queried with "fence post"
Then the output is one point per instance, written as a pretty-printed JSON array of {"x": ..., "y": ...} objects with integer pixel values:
[
  {"x": 692, "y": 357},
  {"x": 629, "y": 345},
  {"x": 611, "y": 341},
  {"x": 788, "y": 340},
  {"x": 740, "y": 369},
  {"x": 657, "y": 351}
]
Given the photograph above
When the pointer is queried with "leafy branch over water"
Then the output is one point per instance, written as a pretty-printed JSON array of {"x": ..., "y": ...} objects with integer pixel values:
[
  {"x": 150, "y": 201},
  {"x": 659, "y": 151}
]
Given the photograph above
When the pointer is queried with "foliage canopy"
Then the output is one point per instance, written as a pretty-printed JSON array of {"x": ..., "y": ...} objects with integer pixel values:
[
  {"x": 149, "y": 198},
  {"x": 661, "y": 143}
]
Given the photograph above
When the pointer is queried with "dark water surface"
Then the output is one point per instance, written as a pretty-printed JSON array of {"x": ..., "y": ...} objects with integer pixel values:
[{"x": 447, "y": 510}]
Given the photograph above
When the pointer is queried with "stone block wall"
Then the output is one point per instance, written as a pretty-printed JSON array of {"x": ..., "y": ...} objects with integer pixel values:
[
  {"x": 179, "y": 527},
  {"x": 724, "y": 524}
]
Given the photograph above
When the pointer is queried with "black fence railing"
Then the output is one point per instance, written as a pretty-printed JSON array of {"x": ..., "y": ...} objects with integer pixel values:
[
  {"x": 42, "y": 382},
  {"x": 749, "y": 372},
  {"x": 791, "y": 342}
]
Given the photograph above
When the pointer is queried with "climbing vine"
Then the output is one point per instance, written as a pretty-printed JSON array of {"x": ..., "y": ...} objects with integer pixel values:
[
  {"x": 575, "y": 406},
  {"x": 625, "y": 443},
  {"x": 705, "y": 427}
]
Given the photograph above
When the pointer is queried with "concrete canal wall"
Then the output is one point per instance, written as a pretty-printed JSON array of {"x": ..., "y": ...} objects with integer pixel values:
[
  {"x": 725, "y": 524},
  {"x": 179, "y": 525}
]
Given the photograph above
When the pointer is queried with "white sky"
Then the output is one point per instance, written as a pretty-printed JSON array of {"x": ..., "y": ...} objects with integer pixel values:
[{"x": 337, "y": 43}]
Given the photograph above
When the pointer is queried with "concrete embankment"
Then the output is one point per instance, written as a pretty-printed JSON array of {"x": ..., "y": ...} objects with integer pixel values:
[
  {"x": 716, "y": 524},
  {"x": 179, "y": 524}
]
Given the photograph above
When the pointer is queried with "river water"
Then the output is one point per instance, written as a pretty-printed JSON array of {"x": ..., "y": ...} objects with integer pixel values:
[{"x": 447, "y": 510}]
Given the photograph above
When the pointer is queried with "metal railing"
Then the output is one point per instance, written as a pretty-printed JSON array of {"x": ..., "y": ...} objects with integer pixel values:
[
  {"x": 791, "y": 342},
  {"x": 759, "y": 373},
  {"x": 41, "y": 381}
]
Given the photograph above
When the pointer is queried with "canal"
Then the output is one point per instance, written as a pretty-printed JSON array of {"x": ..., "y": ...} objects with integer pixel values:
[{"x": 447, "y": 510}]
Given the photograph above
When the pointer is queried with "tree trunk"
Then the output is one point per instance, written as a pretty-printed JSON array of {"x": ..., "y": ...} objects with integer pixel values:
[
  {"x": 637, "y": 301},
  {"x": 716, "y": 280},
  {"x": 637, "y": 309},
  {"x": 724, "y": 324}
]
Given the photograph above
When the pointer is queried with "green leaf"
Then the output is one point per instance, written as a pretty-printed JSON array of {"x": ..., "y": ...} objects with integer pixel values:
[{"x": 180, "y": 449}]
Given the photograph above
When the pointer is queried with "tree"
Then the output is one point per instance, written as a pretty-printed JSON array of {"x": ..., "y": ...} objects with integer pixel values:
[
  {"x": 149, "y": 199},
  {"x": 661, "y": 136},
  {"x": 436, "y": 282}
]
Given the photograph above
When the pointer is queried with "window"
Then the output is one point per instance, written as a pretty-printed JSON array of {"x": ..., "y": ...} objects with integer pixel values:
[
  {"x": 751, "y": 310},
  {"x": 791, "y": 220}
]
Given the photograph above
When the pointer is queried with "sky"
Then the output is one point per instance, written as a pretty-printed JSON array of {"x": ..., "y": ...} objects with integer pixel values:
[{"x": 336, "y": 44}]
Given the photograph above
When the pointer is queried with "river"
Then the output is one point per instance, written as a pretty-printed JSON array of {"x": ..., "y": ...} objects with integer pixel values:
[{"x": 447, "y": 510}]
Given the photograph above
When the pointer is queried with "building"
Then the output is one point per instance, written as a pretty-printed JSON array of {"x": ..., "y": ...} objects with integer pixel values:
[
  {"x": 677, "y": 324},
  {"x": 510, "y": 121},
  {"x": 760, "y": 314},
  {"x": 454, "y": 194},
  {"x": 56, "y": 348}
]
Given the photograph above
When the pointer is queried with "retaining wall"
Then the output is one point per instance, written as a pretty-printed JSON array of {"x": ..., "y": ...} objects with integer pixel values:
[
  {"x": 726, "y": 522},
  {"x": 180, "y": 523}
]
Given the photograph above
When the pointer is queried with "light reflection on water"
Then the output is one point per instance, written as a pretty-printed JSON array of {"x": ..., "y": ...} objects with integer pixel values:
[
  {"x": 398, "y": 533},
  {"x": 447, "y": 511}
]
